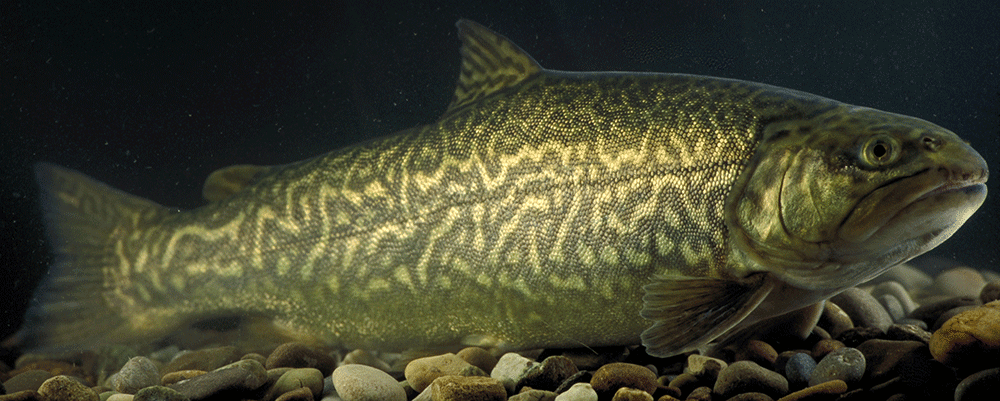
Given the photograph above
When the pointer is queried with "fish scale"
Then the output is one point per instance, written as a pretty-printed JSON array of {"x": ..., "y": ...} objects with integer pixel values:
[{"x": 544, "y": 209}]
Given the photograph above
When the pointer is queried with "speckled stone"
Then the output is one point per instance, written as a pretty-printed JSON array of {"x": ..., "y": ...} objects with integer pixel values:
[
  {"x": 136, "y": 374},
  {"x": 899, "y": 292},
  {"x": 534, "y": 395},
  {"x": 834, "y": 320},
  {"x": 609, "y": 378},
  {"x": 548, "y": 375},
  {"x": 959, "y": 282},
  {"x": 798, "y": 369},
  {"x": 745, "y": 377},
  {"x": 824, "y": 391},
  {"x": 990, "y": 292},
  {"x": 980, "y": 386},
  {"x": 234, "y": 380},
  {"x": 159, "y": 393},
  {"x": 847, "y": 364},
  {"x": 63, "y": 388},
  {"x": 421, "y": 372},
  {"x": 631, "y": 394},
  {"x": 705, "y": 368},
  {"x": 298, "y": 355},
  {"x": 207, "y": 359},
  {"x": 467, "y": 388},
  {"x": 27, "y": 380},
  {"x": 509, "y": 370},
  {"x": 174, "y": 377},
  {"x": 293, "y": 379},
  {"x": 579, "y": 392},
  {"x": 478, "y": 357},
  {"x": 970, "y": 339},
  {"x": 863, "y": 308},
  {"x": 365, "y": 383}
]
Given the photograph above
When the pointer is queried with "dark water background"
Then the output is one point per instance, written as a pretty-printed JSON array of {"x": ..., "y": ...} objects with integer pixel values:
[{"x": 151, "y": 98}]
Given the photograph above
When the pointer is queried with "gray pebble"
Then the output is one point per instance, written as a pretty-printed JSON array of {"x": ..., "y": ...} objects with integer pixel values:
[
  {"x": 959, "y": 282},
  {"x": 798, "y": 369},
  {"x": 362, "y": 382},
  {"x": 159, "y": 393},
  {"x": 897, "y": 290},
  {"x": 510, "y": 368},
  {"x": 138, "y": 373},
  {"x": 892, "y": 306},
  {"x": 983, "y": 385},
  {"x": 746, "y": 377},
  {"x": 847, "y": 364},
  {"x": 863, "y": 309},
  {"x": 27, "y": 380},
  {"x": 233, "y": 380},
  {"x": 910, "y": 277}
]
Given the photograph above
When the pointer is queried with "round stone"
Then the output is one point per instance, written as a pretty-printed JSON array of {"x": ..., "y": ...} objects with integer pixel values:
[
  {"x": 858, "y": 335},
  {"x": 798, "y": 369},
  {"x": 899, "y": 292},
  {"x": 893, "y": 306},
  {"x": 959, "y": 282},
  {"x": 534, "y": 395},
  {"x": 63, "y": 388},
  {"x": 990, "y": 292},
  {"x": 478, "y": 357},
  {"x": 234, "y": 380},
  {"x": 421, "y": 372},
  {"x": 207, "y": 359},
  {"x": 983, "y": 385},
  {"x": 180, "y": 375},
  {"x": 159, "y": 393},
  {"x": 752, "y": 397},
  {"x": 910, "y": 361},
  {"x": 824, "y": 347},
  {"x": 294, "y": 379},
  {"x": 136, "y": 374},
  {"x": 548, "y": 375},
  {"x": 760, "y": 352},
  {"x": 462, "y": 388},
  {"x": 970, "y": 339},
  {"x": 910, "y": 277},
  {"x": 508, "y": 370},
  {"x": 907, "y": 332},
  {"x": 863, "y": 308},
  {"x": 950, "y": 314},
  {"x": 834, "y": 320},
  {"x": 631, "y": 394},
  {"x": 700, "y": 394},
  {"x": 299, "y": 394},
  {"x": 705, "y": 368},
  {"x": 609, "y": 378},
  {"x": 930, "y": 312},
  {"x": 365, "y": 383},
  {"x": 363, "y": 357},
  {"x": 579, "y": 392},
  {"x": 27, "y": 380},
  {"x": 745, "y": 377},
  {"x": 847, "y": 364},
  {"x": 298, "y": 355}
]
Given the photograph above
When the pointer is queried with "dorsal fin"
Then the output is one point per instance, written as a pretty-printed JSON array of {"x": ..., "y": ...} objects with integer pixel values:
[
  {"x": 226, "y": 181},
  {"x": 490, "y": 62}
]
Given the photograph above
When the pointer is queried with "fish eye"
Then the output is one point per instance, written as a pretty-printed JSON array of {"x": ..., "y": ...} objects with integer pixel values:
[{"x": 880, "y": 150}]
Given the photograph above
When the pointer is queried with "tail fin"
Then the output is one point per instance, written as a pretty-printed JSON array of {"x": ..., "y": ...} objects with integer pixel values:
[{"x": 77, "y": 304}]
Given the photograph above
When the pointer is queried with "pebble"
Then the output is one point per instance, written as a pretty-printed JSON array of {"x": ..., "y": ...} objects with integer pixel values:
[
  {"x": 582, "y": 376},
  {"x": 892, "y": 306},
  {"x": 824, "y": 391},
  {"x": 136, "y": 374},
  {"x": 930, "y": 312},
  {"x": 970, "y": 339},
  {"x": 980, "y": 386},
  {"x": 834, "y": 320},
  {"x": 907, "y": 332},
  {"x": 63, "y": 388},
  {"x": 478, "y": 357},
  {"x": 751, "y": 397},
  {"x": 858, "y": 335},
  {"x": 704, "y": 368},
  {"x": 363, "y": 357},
  {"x": 116, "y": 397},
  {"x": 548, "y": 375},
  {"x": 298, "y": 355},
  {"x": 798, "y": 369},
  {"x": 990, "y": 293},
  {"x": 824, "y": 347},
  {"x": 910, "y": 277},
  {"x": 421, "y": 372},
  {"x": 159, "y": 393},
  {"x": 234, "y": 380},
  {"x": 27, "y": 380},
  {"x": 509, "y": 370},
  {"x": 863, "y": 308},
  {"x": 758, "y": 351},
  {"x": 207, "y": 359},
  {"x": 631, "y": 394},
  {"x": 174, "y": 377},
  {"x": 745, "y": 376},
  {"x": 294, "y": 379},
  {"x": 847, "y": 364},
  {"x": 959, "y": 282},
  {"x": 463, "y": 388},
  {"x": 363, "y": 382},
  {"x": 24, "y": 395},
  {"x": 899, "y": 292},
  {"x": 579, "y": 392},
  {"x": 886, "y": 359},
  {"x": 299, "y": 394},
  {"x": 700, "y": 394},
  {"x": 950, "y": 313},
  {"x": 534, "y": 395},
  {"x": 609, "y": 378}
]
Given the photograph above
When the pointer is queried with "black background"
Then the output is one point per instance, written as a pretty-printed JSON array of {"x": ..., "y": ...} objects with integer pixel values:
[{"x": 150, "y": 98}]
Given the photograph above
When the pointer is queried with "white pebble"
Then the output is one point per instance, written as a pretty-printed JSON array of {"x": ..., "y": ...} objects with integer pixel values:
[
  {"x": 363, "y": 383},
  {"x": 579, "y": 392},
  {"x": 510, "y": 368}
]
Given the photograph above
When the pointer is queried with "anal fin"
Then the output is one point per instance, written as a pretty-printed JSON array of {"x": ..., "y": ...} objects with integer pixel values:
[{"x": 689, "y": 312}]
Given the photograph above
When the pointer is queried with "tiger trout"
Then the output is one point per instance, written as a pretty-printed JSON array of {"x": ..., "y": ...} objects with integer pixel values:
[{"x": 543, "y": 209}]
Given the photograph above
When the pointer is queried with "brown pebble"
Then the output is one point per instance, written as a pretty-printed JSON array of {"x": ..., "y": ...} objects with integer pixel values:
[
  {"x": 824, "y": 391},
  {"x": 834, "y": 320},
  {"x": 631, "y": 394},
  {"x": 824, "y": 347},
  {"x": 26, "y": 395},
  {"x": 609, "y": 378},
  {"x": 751, "y": 397},
  {"x": 688, "y": 382},
  {"x": 760, "y": 352},
  {"x": 174, "y": 377},
  {"x": 990, "y": 293},
  {"x": 549, "y": 374},
  {"x": 668, "y": 398},
  {"x": 907, "y": 332},
  {"x": 700, "y": 394},
  {"x": 63, "y": 388},
  {"x": 704, "y": 368},
  {"x": 421, "y": 372},
  {"x": 478, "y": 357},
  {"x": 969, "y": 340},
  {"x": 27, "y": 380},
  {"x": 298, "y": 355},
  {"x": 858, "y": 335},
  {"x": 300, "y": 394},
  {"x": 255, "y": 356},
  {"x": 662, "y": 390},
  {"x": 477, "y": 388}
]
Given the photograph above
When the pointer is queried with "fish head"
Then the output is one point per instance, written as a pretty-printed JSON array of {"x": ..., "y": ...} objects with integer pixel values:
[{"x": 833, "y": 200}]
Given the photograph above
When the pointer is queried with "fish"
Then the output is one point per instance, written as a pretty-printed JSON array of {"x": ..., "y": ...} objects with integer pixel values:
[{"x": 544, "y": 209}]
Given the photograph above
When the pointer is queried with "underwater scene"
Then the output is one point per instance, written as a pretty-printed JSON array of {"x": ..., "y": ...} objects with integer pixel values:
[{"x": 676, "y": 200}]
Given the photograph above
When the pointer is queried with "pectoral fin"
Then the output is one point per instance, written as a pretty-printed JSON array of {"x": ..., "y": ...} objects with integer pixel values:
[
  {"x": 688, "y": 312},
  {"x": 226, "y": 181}
]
